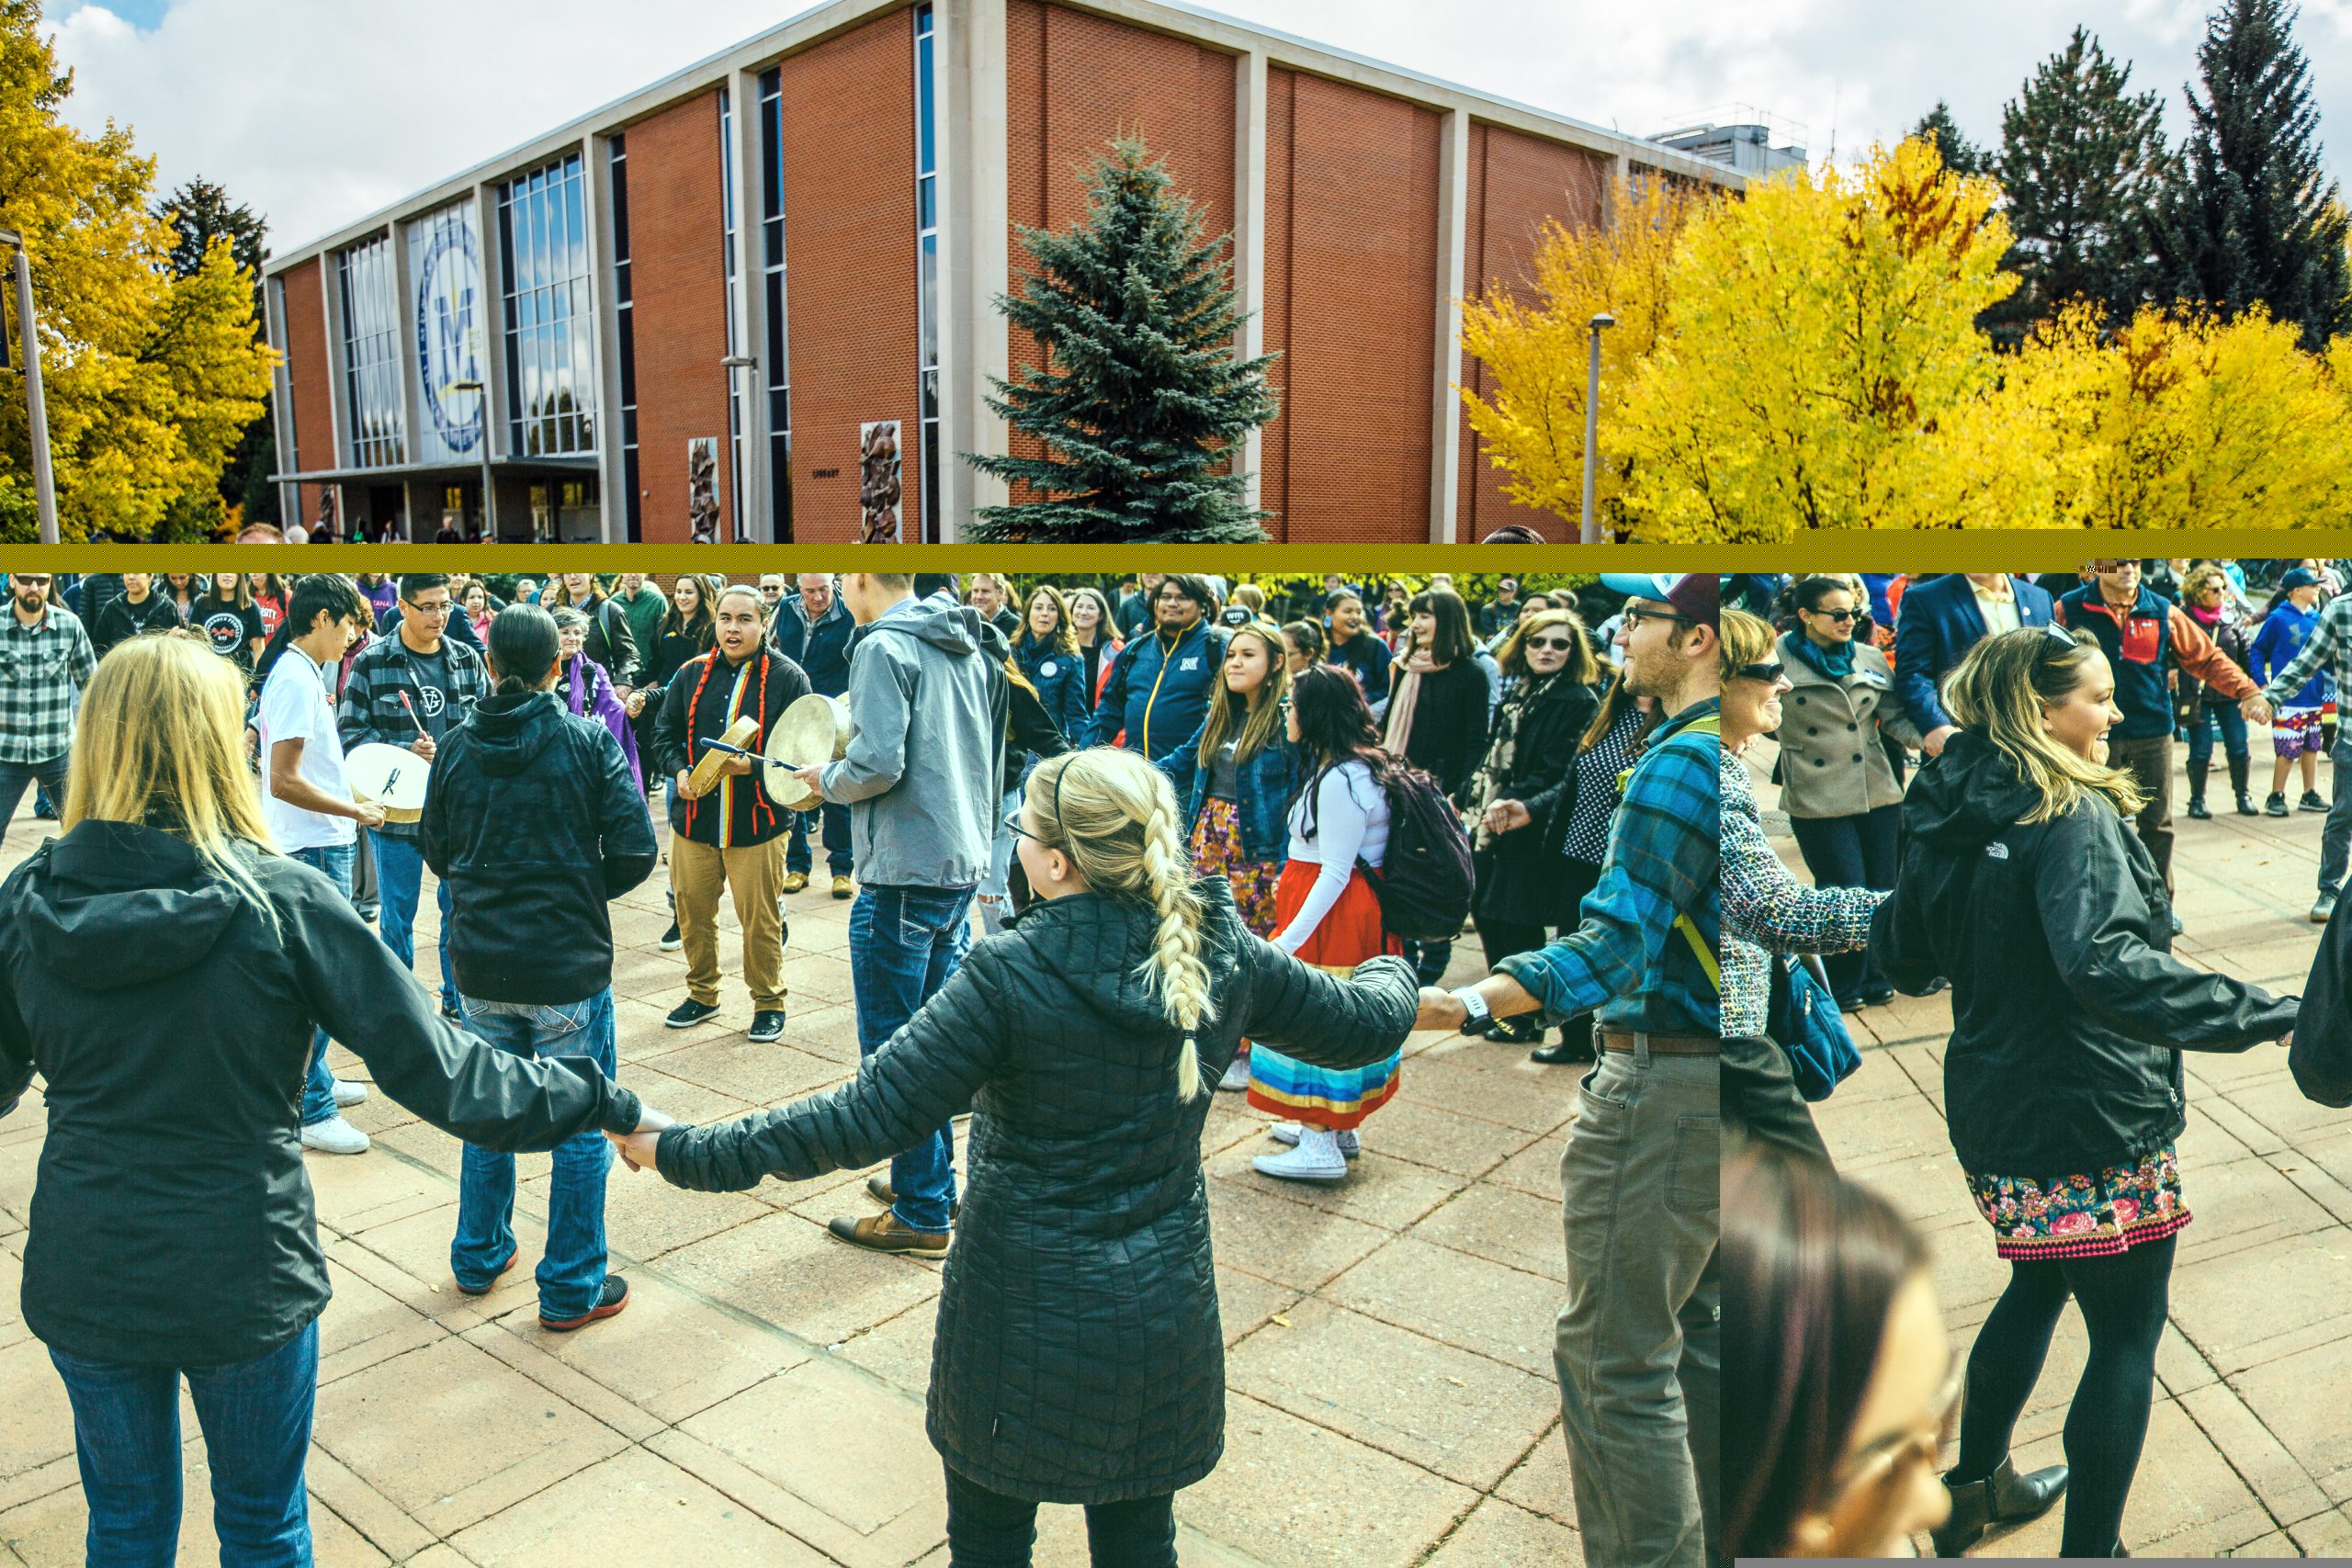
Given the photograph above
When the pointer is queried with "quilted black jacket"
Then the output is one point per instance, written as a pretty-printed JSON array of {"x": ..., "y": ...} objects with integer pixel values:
[{"x": 1079, "y": 1357}]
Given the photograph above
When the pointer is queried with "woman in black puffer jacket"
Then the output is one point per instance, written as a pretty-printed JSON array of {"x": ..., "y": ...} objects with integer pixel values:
[
  {"x": 2023, "y": 881},
  {"x": 1080, "y": 1358}
]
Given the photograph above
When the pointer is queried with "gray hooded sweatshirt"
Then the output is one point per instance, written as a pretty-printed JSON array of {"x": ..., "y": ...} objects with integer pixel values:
[{"x": 925, "y": 766}]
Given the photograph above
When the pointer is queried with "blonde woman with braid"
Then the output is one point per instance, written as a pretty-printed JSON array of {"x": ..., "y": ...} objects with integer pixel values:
[
  {"x": 1080, "y": 1358},
  {"x": 2023, "y": 881}
]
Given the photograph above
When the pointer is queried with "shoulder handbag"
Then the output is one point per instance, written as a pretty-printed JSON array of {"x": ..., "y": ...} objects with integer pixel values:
[{"x": 1803, "y": 1018}]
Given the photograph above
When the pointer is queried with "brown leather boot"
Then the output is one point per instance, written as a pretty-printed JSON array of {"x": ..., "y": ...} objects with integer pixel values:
[{"x": 883, "y": 1233}]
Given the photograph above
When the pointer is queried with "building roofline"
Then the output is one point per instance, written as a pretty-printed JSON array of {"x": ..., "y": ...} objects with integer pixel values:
[{"x": 1174, "y": 17}]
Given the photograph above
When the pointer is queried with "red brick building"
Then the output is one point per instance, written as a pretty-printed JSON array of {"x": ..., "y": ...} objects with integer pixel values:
[{"x": 743, "y": 299}]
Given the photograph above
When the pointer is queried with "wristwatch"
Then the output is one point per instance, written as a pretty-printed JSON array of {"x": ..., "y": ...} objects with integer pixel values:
[{"x": 1475, "y": 1012}]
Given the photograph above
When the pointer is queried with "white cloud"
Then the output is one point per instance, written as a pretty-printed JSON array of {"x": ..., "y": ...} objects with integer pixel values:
[{"x": 318, "y": 113}]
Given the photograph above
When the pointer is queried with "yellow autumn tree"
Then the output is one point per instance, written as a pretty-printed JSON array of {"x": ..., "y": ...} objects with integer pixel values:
[
  {"x": 1817, "y": 331},
  {"x": 150, "y": 380},
  {"x": 1532, "y": 341}
]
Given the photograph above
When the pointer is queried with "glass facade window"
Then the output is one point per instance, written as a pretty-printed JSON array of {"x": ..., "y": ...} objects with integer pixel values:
[
  {"x": 779, "y": 388},
  {"x": 734, "y": 318},
  {"x": 633, "y": 501},
  {"x": 371, "y": 355},
  {"x": 927, "y": 260},
  {"x": 550, "y": 346}
]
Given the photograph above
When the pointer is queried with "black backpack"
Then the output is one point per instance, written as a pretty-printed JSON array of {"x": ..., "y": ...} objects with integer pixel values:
[{"x": 1424, "y": 884}]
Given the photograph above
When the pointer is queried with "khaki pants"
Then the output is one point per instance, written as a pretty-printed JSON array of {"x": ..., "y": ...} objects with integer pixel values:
[{"x": 754, "y": 873}]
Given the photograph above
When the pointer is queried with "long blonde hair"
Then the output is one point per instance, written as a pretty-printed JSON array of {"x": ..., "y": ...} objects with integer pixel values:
[
  {"x": 1114, "y": 816},
  {"x": 160, "y": 742},
  {"x": 1999, "y": 690},
  {"x": 1261, "y": 716}
]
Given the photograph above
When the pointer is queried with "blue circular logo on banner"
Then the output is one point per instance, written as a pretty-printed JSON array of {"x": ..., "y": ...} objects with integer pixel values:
[{"x": 448, "y": 292}]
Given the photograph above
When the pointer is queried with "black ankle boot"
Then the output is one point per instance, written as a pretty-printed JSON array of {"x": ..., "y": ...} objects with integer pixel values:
[
  {"x": 2197, "y": 792},
  {"x": 2001, "y": 1497}
]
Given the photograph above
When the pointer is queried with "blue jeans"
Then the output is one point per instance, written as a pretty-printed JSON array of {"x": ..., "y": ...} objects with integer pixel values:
[
  {"x": 571, "y": 1273},
  {"x": 904, "y": 942},
  {"x": 400, "y": 882},
  {"x": 2200, "y": 732},
  {"x": 14, "y": 777},
  {"x": 835, "y": 828},
  {"x": 317, "y": 1086},
  {"x": 257, "y": 1421},
  {"x": 1850, "y": 851}
]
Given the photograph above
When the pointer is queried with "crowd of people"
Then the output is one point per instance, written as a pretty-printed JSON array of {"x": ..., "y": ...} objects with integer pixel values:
[
  {"x": 1113, "y": 847},
  {"x": 1977, "y": 771}
]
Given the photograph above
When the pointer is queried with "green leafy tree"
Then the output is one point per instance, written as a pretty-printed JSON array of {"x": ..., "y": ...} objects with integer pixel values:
[
  {"x": 2254, "y": 219},
  {"x": 1960, "y": 155},
  {"x": 1140, "y": 404},
  {"x": 2082, "y": 165}
]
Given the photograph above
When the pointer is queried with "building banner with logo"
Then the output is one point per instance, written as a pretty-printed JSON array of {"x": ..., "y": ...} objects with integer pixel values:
[{"x": 450, "y": 317}]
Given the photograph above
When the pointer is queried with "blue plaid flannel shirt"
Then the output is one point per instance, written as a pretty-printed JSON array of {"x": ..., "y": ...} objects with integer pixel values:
[{"x": 1625, "y": 958}]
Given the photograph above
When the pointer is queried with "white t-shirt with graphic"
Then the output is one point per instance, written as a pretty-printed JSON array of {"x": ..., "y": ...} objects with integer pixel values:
[{"x": 295, "y": 706}]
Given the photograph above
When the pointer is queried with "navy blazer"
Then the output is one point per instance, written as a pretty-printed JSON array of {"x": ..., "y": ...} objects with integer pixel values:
[{"x": 1935, "y": 626}]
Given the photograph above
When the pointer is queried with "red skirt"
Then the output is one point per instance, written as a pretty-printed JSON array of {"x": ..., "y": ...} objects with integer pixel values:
[{"x": 1347, "y": 935}]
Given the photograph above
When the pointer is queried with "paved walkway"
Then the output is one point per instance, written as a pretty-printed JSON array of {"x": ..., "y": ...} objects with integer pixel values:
[
  {"x": 2248, "y": 1453},
  {"x": 1390, "y": 1392}
]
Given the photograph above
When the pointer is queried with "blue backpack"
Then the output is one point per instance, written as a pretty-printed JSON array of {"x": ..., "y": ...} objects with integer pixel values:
[{"x": 1803, "y": 1017}]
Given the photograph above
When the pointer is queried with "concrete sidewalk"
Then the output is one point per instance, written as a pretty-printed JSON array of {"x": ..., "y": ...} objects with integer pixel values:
[
  {"x": 1390, "y": 1390},
  {"x": 2248, "y": 1454}
]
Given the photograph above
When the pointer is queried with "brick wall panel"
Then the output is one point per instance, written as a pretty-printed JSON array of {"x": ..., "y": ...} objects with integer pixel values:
[
  {"x": 1516, "y": 183},
  {"x": 307, "y": 369},
  {"x": 1074, "y": 81},
  {"x": 849, "y": 199},
  {"x": 678, "y": 288},
  {"x": 1361, "y": 330}
]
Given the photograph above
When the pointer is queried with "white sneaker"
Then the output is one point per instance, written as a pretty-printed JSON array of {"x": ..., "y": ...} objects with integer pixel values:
[
  {"x": 1237, "y": 1076},
  {"x": 1316, "y": 1158},
  {"x": 1287, "y": 1133},
  {"x": 334, "y": 1136},
  {"x": 349, "y": 1093}
]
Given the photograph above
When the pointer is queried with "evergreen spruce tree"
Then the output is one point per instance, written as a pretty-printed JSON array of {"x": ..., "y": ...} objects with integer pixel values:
[
  {"x": 2084, "y": 165},
  {"x": 1960, "y": 155},
  {"x": 2253, "y": 218},
  {"x": 1141, "y": 404}
]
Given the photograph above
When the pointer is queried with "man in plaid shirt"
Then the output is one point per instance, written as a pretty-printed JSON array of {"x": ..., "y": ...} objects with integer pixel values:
[
  {"x": 2329, "y": 648},
  {"x": 408, "y": 689},
  {"x": 1638, "y": 1344},
  {"x": 45, "y": 659}
]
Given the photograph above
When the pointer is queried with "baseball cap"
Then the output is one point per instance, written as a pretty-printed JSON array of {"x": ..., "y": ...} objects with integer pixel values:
[
  {"x": 1697, "y": 594},
  {"x": 2300, "y": 577}
]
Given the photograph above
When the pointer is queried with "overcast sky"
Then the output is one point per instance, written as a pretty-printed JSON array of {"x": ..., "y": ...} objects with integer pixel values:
[{"x": 319, "y": 111}]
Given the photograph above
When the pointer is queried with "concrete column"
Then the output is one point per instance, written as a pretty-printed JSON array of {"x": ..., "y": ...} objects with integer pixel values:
[
  {"x": 1249, "y": 233},
  {"x": 974, "y": 266},
  {"x": 493, "y": 360},
  {"x": 752, "y": 473},
  {"x": 1452, "y": 248},
  {"x": 281, "y": 402},
  {"x": 612, "y": 477}
]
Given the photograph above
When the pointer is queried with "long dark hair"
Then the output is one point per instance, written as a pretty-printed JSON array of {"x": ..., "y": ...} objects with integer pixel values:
[
  {"x": 1335, "y": 727},
  {"x": 1453, "y": 642},
  {"x": 703, "y": 628},
  {"x": 1811, "y": 1265}
]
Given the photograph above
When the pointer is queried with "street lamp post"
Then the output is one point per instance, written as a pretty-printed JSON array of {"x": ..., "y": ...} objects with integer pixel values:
[
  {"x": 489, "y": 492},
  {"x": 1590, "y": 532},
  {"x": 36, "y": 411},
  {"x": 740, "y": 459}
]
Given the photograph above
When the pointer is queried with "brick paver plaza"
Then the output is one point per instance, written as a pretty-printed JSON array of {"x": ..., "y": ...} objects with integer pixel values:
[
  {"x": 1390, "y": 1390},
  {"x": 2248, "y": 1453}
]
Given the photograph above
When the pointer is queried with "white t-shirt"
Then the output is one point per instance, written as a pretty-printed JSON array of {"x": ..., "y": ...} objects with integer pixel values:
[
  {"x": 1350, "y": 823},
  {"x": 294, "y": 706}
]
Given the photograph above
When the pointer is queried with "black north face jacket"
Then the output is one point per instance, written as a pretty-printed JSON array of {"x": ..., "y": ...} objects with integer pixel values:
[
  {"x": 1079, "y": 1357},
  {"x": 2069, "y": 1011}
]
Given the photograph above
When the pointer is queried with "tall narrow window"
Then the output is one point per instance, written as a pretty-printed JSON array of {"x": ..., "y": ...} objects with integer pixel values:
[
  {"x": 551, "y": 348},
  {"x": 927, "y": 243},
  {"x": 734, "y": 319},
  {"x": 633, "y": 501},
  {"x": 371, "y": 354},
  {"x": 779, "y": 388}
]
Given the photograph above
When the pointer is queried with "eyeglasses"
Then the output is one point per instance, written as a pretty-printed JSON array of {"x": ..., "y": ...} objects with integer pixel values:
[
  {"x": 1880, "y": 1460},
  {"x": 1840, "y": 616},
  {"x": 1767, "y": 673},
  {"x": 1012, "y": 825},
  {"x": 441, "y": 609},
  {"x": 1634, "y": 618},
  {"x": 1561, "y": 643}
]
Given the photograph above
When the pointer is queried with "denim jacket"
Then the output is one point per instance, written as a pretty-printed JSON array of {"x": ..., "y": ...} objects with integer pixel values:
[
  {"x": 1060, "y": 680},
  {"x": 1264, "y": 786}
]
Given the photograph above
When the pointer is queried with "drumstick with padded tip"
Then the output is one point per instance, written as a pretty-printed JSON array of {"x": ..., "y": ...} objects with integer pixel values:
[{"x": 411, "y": 715}]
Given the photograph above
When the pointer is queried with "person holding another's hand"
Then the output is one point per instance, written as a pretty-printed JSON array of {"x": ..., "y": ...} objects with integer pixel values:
[{"x": 1078, "y": 1358}]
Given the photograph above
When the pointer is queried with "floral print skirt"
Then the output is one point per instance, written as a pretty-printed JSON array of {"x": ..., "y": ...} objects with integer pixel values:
[
  {"x": 2082, "y": 1216},
  {"x": 1217, "y": 851}
]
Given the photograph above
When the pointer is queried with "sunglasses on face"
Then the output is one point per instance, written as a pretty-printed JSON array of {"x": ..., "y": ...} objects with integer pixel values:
[
  {"x": 1561, "y": 643},
  {"x": 1840, "y": 616},
  {"x": 1767, "y": 673}
]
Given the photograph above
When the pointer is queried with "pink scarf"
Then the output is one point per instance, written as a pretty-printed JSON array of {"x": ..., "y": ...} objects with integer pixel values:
[{"x": 1404, "y": 696}]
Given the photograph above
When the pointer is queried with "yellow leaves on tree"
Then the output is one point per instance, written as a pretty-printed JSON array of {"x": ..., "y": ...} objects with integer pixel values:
[
  {"x": 150, "y": 380},
  {"x": 1533, "y": 340},
  {"x": 1818, "y": 332}
]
